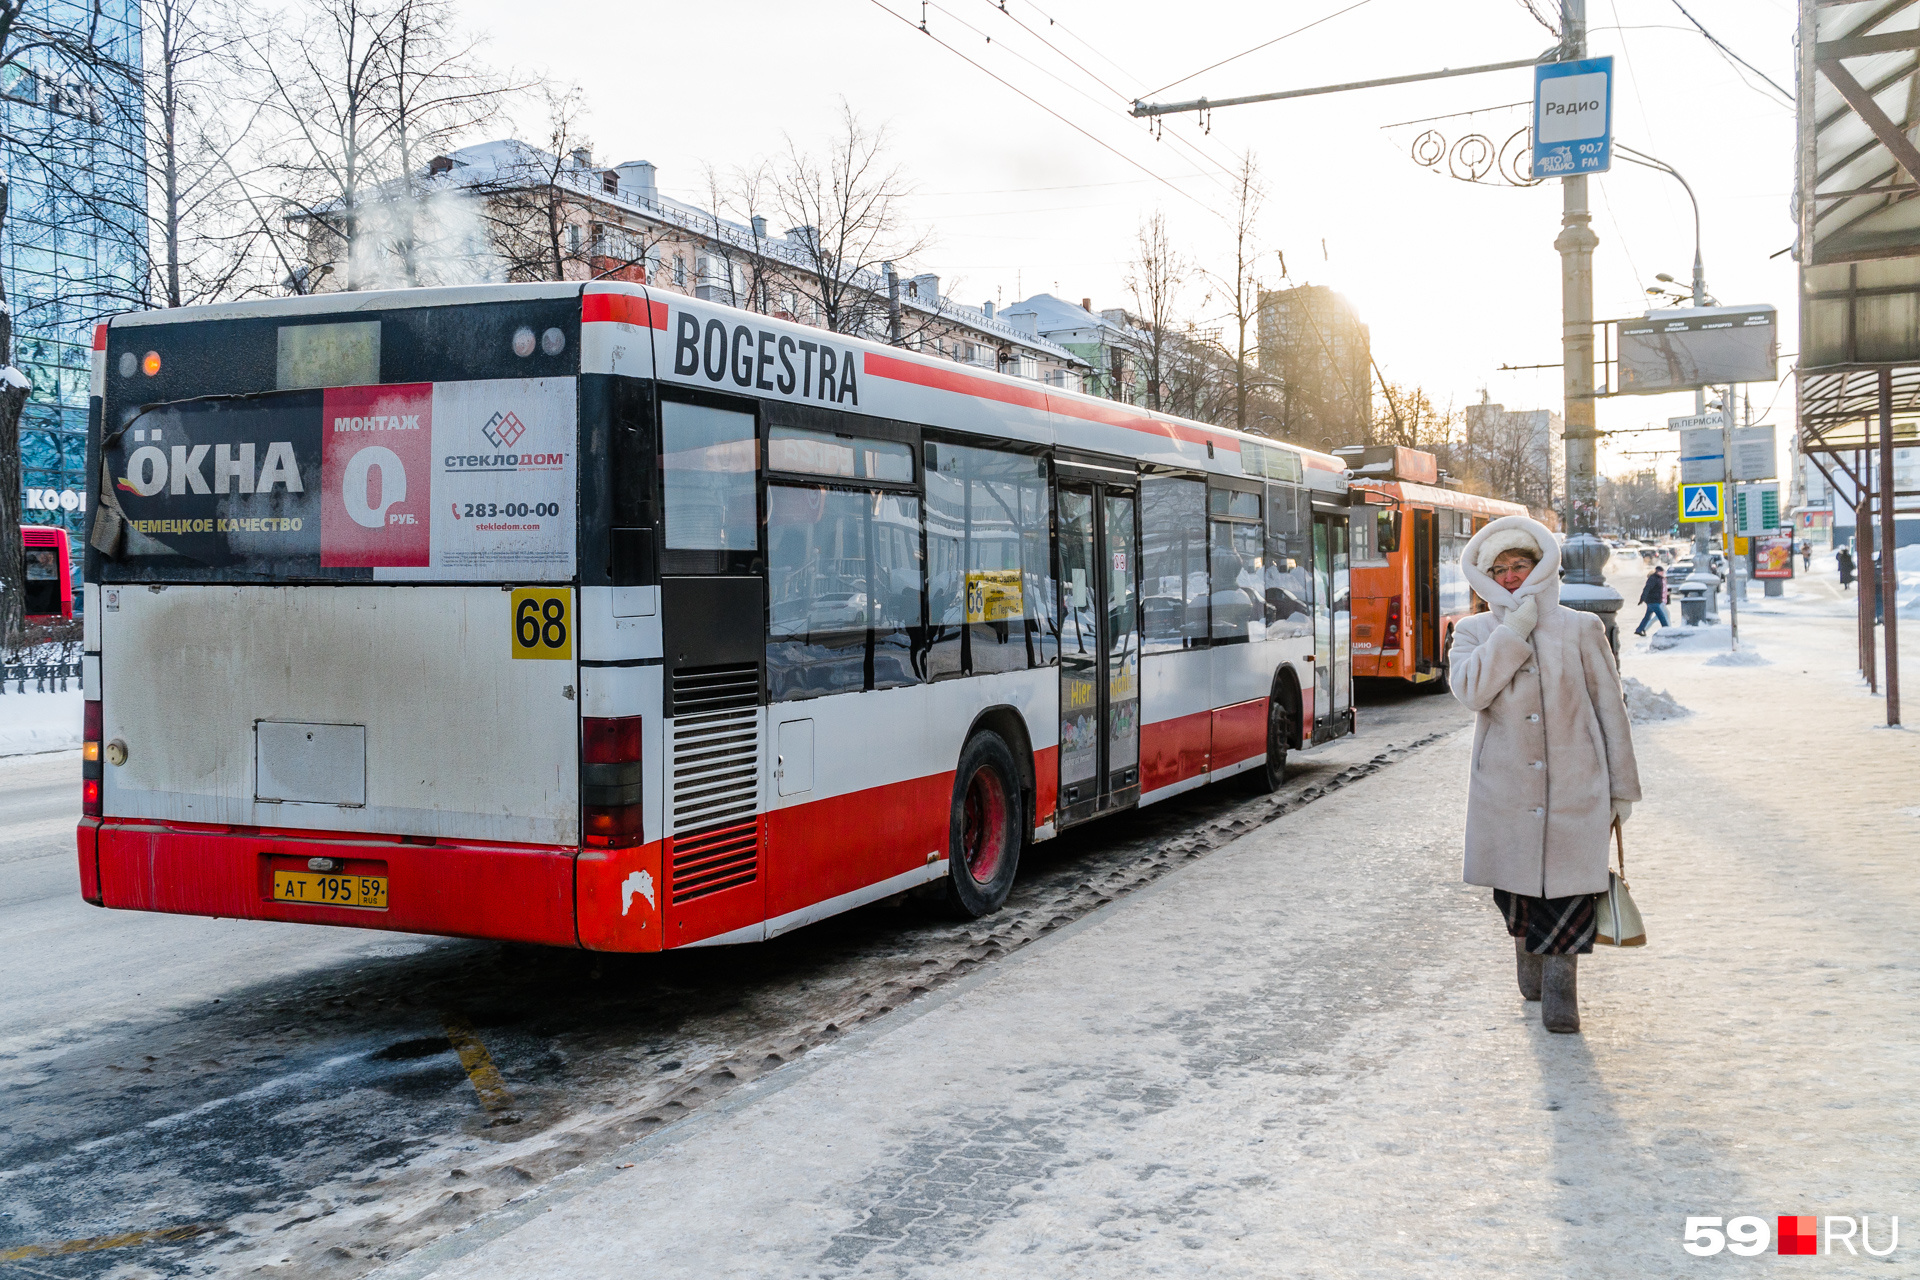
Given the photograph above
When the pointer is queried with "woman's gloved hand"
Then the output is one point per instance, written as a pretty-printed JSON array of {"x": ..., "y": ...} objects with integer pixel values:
[
  {"x": 1622, "y": 810},
  {"x": 1522, "y": 617}
]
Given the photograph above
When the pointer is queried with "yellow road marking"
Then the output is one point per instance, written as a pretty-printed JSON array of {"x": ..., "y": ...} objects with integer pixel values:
[
  {"x": 479, "y": 1064},
  {"x": 94, "y": 1244}
]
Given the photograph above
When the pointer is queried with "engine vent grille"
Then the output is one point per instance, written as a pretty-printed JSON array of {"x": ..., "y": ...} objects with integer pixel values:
[{"x": 716, "y": 779}]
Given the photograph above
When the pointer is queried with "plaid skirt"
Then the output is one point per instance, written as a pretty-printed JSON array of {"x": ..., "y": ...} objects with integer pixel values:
[{"x": 1551, "y": 926}]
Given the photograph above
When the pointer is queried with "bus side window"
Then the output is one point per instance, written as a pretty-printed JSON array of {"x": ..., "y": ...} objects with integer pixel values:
[
  {"x": 1236, "y": 551},
  {"x": 990, "y": 592},
  {"x": 843, "y": 590},
  {"x": 710, "y": 460},
  {"x": 1289, "y": 563},
  {"x": 1173, "y": 562}
]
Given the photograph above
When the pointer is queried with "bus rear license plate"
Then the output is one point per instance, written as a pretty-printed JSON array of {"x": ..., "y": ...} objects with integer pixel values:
[{"x": 330, "y": 891}]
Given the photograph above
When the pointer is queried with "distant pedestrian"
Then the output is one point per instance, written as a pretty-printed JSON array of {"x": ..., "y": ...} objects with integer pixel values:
[
  {"x": 1553, "y": 764},
  {"x": 1844, "y": 559},
  {"x": 1806, "y": 554},
  {"x": 1654, "y": 596}
]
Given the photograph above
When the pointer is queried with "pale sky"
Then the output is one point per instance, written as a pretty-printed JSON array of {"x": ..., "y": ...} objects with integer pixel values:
[{"x": 1455, "y": 279}]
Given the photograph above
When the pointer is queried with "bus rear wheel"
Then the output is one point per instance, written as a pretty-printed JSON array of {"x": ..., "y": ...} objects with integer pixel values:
[{"x": 985, "y": 828}]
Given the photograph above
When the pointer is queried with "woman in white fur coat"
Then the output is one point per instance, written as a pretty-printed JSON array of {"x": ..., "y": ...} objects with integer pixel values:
[{"x": 1552, "y": 764}]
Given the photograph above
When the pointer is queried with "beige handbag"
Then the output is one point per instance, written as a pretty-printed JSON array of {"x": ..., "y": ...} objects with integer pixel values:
[{"x": 1616, "y": 920}]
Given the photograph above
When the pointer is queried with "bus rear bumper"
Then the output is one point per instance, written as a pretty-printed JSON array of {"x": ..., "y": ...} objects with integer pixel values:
[{"x": 515, "y": 893}]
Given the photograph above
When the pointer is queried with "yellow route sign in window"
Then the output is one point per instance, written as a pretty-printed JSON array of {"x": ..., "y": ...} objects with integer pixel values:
[{"x": 542, "y": 622}]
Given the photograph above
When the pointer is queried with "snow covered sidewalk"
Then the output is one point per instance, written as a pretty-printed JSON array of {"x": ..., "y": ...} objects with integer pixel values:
[
  {"x": 34, "y": 722},
  {"x": 1305, "y": 1054}
]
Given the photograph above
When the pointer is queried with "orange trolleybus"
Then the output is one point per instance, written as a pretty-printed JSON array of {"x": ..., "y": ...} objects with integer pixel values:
[
  {"x": 1408, "y": 534},
  {"x": 589, "y": 616}
]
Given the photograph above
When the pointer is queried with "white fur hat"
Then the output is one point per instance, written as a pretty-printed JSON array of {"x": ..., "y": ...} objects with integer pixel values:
[{"x": 1501, "y": 540}]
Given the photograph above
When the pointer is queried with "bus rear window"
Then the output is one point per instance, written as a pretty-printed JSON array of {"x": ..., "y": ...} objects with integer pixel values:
[{"x": 710, "y": 464}]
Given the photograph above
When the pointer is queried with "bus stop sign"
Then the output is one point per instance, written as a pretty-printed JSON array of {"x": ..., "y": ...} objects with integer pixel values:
[
  {"x": 1572, "y": 118},
  {"x": 1699, "y": 502}
]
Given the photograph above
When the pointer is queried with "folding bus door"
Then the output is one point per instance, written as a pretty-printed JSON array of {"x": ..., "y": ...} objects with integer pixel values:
[
  {"x": 1333, "y": 620},
  {"x": 1098, "y": 534},
  {"x": 1426, "y": 593}
]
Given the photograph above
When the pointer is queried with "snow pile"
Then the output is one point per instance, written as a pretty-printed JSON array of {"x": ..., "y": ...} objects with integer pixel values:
[
  {"x": 1644, "y": 705},
  {"x": 1673, "y": 637},
  {"x": 35, "y": 722},
  {"x": 1737, "y": 658}
]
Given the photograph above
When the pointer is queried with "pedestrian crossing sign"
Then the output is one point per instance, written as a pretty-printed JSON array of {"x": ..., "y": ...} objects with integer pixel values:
[{"x": 1699, "y": 503}]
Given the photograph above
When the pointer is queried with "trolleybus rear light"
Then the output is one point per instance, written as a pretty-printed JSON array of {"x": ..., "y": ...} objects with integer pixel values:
[
  {"x": 150, "y": 365},
  {"x": 610, "y": 781},
  {"x": 90, "y": 721},
  {"x": 610, "y": 740},
  {"x": 612, "y": 826},
  {"x": 1392, "y": 640}
]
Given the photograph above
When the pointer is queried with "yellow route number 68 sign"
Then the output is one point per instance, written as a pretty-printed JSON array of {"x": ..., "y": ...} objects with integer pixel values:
[{"x": 542, "y": 622}]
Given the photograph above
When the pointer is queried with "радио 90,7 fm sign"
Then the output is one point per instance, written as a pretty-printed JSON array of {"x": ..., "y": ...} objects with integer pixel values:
[{"x": 1572, "y": 118}]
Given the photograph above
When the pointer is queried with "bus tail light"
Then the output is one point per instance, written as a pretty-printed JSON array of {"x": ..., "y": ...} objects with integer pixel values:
[
  {"x": 610, "y": 782},
  {"x": 90, "y": 760},
  {"x": 1392, "y": 640}
]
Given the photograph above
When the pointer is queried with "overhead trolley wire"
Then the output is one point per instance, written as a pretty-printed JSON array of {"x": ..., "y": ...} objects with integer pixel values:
[
  {"x": 1198, "y": 152},
  {"x": 1729, "y": 53},
  {"x": 1005, "y": 83},
  {"x": 1257, "y": 48}
]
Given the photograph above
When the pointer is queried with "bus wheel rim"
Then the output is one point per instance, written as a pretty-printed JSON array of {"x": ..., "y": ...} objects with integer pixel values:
[{"x": 984, "y": 825}]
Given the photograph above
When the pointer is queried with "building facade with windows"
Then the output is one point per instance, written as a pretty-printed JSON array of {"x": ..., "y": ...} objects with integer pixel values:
[
  {"x": 72, "y": 250},
  {"x": 1314, "y": 345},
  {"x": 542, "y": 217}
]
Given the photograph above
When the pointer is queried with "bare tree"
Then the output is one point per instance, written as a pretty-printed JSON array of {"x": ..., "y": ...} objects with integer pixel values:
[
  {"x": 1409, "y": 417},
  {"x": 1241, "y": 288},
  {"x": 327, "y": 85},
  {"x": 195, "y": 136},
  {"x": 437, "y": 89},
  {"x": 536, "y": 200},
  {"x": 843, "y": 210},
  {"x": 1638, "y": 505},
  {"x": 1157, "y": 277}
]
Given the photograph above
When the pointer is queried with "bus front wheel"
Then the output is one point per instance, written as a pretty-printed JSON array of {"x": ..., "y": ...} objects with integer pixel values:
[
  {"x": 984, "y": 829},
  {"x": 1279, "y": 738}
]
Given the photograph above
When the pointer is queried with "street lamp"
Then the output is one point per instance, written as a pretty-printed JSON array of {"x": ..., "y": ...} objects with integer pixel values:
[{"x": 1658, "y": 165}]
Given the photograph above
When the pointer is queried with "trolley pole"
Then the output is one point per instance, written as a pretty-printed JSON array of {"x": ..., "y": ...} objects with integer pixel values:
[{"x": 1584, "y": 556}]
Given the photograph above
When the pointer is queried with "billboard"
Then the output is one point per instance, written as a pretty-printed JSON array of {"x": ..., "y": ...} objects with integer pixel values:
[{"x": 1692, "y": 347}]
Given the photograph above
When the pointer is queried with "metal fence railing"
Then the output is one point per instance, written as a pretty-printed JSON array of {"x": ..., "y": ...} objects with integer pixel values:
[{"x": 45, "y": 677}]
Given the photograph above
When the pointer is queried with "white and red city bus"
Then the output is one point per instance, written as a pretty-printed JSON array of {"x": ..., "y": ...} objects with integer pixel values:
[{"x": 582, "y": 616}]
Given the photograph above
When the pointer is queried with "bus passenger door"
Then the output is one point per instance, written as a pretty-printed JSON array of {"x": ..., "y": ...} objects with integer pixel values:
[
  {"x": 1426, "y": 593},
  {"x": 1332, "y": 622},
  {"x": 1099, "y": 650}
]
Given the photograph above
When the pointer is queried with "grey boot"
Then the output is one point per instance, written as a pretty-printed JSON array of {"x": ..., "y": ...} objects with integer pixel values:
[
  {"x": 1529, "y": 969},
  {"x": 1559, "y": 1000}
]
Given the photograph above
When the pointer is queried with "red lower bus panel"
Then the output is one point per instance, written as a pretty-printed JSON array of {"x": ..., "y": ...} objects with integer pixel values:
[
  {"x": 735, "y": 858},
  {"x": 619, "y": 898},
  {"x": 1174, "y": 750},
  {"x": 89, "y": 841},
  {"x": 1046, "y": 784},
  {"x": 1239, "y": 733},
  {"x": 517, "y": 893},
  {"x": 821, "y": 850}
]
